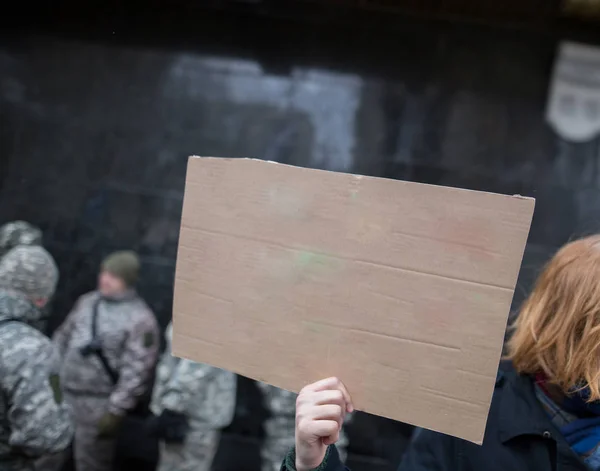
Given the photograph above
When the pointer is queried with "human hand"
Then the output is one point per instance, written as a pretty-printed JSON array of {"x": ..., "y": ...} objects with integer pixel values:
[{"x": 320, "y": 411}]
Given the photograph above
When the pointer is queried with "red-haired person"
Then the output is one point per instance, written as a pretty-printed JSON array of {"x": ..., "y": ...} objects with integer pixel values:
[{"x": 545, "y": 412}]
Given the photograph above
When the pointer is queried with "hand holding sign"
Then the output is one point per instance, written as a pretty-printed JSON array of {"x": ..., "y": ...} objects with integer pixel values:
[{"x": 320, "y": 411}]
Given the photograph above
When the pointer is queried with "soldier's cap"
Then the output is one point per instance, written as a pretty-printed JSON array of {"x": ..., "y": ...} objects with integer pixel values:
[
  {"x": 17, "y": 233},
  {"x": 124, "y": 264},
  {"x": 30, "y": 270}
]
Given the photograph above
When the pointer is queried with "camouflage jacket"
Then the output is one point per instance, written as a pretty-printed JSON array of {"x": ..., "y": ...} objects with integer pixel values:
[
  {"x": 18, "y": 233},
  {"x": 33, "y": 419},
  {"x": 202, "y": 392},
  {"x": 128, "y": 333},
  {"x": 279, "y": 402}
]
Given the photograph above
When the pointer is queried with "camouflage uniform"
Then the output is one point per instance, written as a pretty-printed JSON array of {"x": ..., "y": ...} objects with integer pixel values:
[
  {"x": 18, "y": 233},
  {"x": 129, "y": 335},
  {"x": 206, "y": 395},
  {"x": 34, "y": 420},
  {"x": 280, "y": 427}
]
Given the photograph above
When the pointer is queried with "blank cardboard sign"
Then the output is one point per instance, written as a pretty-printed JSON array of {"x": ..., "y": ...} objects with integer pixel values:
[{"x": 289, "y": 275}]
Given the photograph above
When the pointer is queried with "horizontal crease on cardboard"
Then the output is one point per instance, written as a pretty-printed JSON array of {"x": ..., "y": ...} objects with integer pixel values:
[
  {"x": 392, "y": 367},
  {"x": 386, "y": 336},
  {"x": 435, "y": 392},
  {"x": 176, "y": 352},
  {"x": 405, "y": 339},
  {"x": 207, "y": 342},
  {"x": 437, "y": 275},
  {"x": 388, "y": 296},
  {"x": 453, "y": 242},
  {"x": 339, "y": 257},
  {"x": 334, "y": 326},
  {"x": 194, "y": 315},
  {"x": 474, "y": 373},
  {"x": 209, "y": 296}
]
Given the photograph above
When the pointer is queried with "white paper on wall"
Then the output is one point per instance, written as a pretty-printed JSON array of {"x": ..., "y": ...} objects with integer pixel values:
[{"x": 574, "y": 103}]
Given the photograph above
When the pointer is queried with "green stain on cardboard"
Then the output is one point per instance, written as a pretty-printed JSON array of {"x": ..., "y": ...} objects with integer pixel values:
[
  {"x": 314, "y": 327},
  {"x": 305, "y": 258},
  {"x": 310, "y": 262}
]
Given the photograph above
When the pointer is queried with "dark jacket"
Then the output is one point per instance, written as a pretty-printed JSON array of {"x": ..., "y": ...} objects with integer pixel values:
[{"x": 519, "y": 437}]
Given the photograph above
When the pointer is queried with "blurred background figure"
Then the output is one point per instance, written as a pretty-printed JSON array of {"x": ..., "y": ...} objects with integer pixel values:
[
  {"x": 280, "y": 427},
  {"x": 34, "y": 420},
  {"x": 193, "y": 402},
  {"x": 17, "y": 233},
  {"x": 109, "y": 345}
]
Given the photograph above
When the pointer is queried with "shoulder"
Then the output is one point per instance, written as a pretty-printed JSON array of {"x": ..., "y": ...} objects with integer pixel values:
[
  {"x": 23, "y": 334},
  {"x": 23, "y": 345},
  {"x": 223, "y": 377},
  {"x": 86, "y": 299},
  {"x": 506, "y": 378},
  {"x": 142, "y": 314},
  {"x": 226, "y": 379}
]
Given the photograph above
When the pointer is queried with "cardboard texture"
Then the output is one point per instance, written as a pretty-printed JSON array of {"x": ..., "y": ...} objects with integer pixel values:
[{"x": 289, "y": 275}]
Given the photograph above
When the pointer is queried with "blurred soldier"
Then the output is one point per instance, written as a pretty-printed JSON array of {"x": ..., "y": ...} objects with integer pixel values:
[
  {"x": 193, "y": 402},
  {"x": 34, "y": 421},
  {"x": 109, "y": 345},
  {"x": 18, "y": 233},
  {"x": 280, "y": 427},
  {"x": 15, "y": 233}
]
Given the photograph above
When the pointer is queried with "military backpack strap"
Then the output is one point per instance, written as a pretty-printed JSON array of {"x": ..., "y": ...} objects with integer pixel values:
[{"x": 114, "y": 376}]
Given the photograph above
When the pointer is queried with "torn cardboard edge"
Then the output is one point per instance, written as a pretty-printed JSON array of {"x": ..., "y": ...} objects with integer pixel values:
[{"x": 360, "y": 176}]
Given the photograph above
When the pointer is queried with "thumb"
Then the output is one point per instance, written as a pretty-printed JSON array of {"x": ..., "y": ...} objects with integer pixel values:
[{"x": 332, "y": 439}]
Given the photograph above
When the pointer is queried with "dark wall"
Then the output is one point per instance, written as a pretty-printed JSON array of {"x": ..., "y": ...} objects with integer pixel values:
[{"x": 95, "y": 134}]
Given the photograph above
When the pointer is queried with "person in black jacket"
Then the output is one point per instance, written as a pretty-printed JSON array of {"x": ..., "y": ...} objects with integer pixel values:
[{"x": 545, "y": 412}]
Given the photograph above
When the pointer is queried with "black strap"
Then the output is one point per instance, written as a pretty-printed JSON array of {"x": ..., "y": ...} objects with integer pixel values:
[{"x": 114, "y": 376}]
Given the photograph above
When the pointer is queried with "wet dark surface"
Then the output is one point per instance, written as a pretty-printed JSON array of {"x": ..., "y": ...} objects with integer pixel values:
[{"x": 96, "y": 127}]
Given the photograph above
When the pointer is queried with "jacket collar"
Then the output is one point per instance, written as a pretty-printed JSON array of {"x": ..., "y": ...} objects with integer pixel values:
[
  {"x": 16, "y": 306},
  {"x": 127, "y": 295},
  {"x": 520, "y": 412}
]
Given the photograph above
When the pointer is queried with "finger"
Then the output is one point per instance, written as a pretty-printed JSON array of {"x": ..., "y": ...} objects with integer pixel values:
[
  {"x": 329, "y": 412},
  {"x": 327, "y": 383},
  {"x": 347, "y": 397},
  {"x": 332, "y": 439},
  {"x": 331, "y": 396},
  {"x": 321, "y": 428},
  {"x": 308, "y": 409},
  {"x": 332, "y": 383}
]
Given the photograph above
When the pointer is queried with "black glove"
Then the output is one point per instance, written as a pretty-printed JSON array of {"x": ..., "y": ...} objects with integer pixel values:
[
  {"x": 171, "y": 427},
  {"x": 109, "y": 424}
]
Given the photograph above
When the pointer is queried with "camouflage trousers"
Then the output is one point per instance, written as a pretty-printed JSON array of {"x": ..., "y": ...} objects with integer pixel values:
[
  {"x": 280, "y": 439},
  {"x": 52, "y": 462},
  {"x": 90, "y": 452},
  {"x": 196, "y": 454}
]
